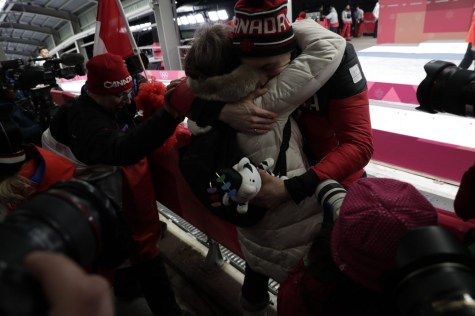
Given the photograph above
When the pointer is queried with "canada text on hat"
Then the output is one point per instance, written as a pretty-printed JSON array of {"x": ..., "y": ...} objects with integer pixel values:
[
  {"x": 117, "y": 83},
  {"x": 107, "y": 74},
  {"x": 261, "y": 28}
]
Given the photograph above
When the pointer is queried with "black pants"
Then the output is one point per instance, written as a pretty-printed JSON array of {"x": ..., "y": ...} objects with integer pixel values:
[
  {"x": 468, "y": 58},
  {"x": 255, "y": 286},
  {"x": 153, "y": 281}
]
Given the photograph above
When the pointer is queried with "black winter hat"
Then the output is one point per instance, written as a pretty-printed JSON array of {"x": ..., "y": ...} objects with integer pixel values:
[{"x": 12, "y": 154}]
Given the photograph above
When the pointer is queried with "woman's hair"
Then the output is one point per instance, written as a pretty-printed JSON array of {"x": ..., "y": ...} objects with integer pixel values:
[
  {"x": 211, "y": 53},
  {"x": 14, "y": 190}
]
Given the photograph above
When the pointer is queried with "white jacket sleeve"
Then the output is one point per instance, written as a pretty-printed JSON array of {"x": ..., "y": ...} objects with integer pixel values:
[
  {"x": 322, "y": 52},
  {"x": 376, "y": 11}
]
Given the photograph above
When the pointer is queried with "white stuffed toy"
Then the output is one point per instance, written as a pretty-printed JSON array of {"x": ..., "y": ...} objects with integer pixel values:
[{"x": 250, "y": 183}]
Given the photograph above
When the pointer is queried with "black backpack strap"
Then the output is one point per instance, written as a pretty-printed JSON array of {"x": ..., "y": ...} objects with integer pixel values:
[{"x": 280, "y": 168}]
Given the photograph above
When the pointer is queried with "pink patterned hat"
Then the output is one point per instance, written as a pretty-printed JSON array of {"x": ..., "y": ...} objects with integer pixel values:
[{"x": 376, "y": 213}]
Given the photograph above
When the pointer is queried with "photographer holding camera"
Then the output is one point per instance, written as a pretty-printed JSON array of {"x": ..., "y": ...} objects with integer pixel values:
[
  {"x": 343, "y": 271},
  {"x": 99, "y": 136}
]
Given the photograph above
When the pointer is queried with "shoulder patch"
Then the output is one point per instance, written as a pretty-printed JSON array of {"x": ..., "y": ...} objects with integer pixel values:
[
  {"x": 355, "y": 73},
  {"x": 312, "y": 104}
]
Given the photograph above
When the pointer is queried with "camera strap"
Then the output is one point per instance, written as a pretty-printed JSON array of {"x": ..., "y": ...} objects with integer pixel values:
[{"x": 280, "y": 167}]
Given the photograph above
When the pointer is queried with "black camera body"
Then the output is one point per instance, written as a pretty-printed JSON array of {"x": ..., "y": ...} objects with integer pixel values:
[
  {"x": 73, "y": 218},
  {"x": 35, "y": 82},
  {"x": 447, "y": 88},
  {"x": 25, "y": 76}
]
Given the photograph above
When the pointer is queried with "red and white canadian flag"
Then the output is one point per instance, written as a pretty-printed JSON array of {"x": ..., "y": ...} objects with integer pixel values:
[{"x": 113, "y": 33}]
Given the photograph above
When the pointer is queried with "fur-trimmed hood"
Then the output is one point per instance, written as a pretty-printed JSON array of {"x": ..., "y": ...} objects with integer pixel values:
[{"x": 229, "y": 87}]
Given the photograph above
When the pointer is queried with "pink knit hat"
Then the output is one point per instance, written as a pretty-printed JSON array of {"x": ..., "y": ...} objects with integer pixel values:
[
  {"x": 375, "y": 215},
  {"x": 261, "y": 28}
]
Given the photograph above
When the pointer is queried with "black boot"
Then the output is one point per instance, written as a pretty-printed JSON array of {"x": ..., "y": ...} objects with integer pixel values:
[
  {"x": 126, "y": 286},
  {"x": 156, "y": 288},
  {"x": 254, "y": 294},
  {"x": 163, "y": 229}
]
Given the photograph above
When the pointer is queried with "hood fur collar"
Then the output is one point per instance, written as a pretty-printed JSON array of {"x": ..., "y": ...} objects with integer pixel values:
[{"x": 230, "y": 87}]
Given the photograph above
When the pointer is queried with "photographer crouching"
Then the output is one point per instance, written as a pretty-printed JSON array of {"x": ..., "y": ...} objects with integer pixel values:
[{"x": 383, "y": 255}]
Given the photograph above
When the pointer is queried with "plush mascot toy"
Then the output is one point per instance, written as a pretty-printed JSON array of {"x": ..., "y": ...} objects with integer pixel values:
[{"x": 242, "y": 182}]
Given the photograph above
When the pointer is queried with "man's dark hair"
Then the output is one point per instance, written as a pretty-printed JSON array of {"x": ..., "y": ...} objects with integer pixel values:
[{"x": 41, "y": 48}]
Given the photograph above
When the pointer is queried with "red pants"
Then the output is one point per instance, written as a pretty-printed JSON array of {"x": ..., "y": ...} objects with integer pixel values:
[
  {"x": 346, "y": 30},
  {"x": 140, "y": 210}
]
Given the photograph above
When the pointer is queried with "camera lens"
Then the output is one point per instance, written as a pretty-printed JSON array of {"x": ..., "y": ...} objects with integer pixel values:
[
  {"x": 73, "y": 218},
  {"x": 330, "y": 195},
  {"x": 434, "y": 275},
  {"x": 447, "y": 88},
  {"x": 56, "y": 221}
]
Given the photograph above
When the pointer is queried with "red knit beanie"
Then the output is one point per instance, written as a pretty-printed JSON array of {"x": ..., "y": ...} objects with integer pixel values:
[
  {"x": 107, "y": 74},
  {"x": 375, "y": 214},
  {"x": 261, "y": 28}
]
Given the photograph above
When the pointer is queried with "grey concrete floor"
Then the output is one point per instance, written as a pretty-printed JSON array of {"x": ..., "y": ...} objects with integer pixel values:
[
  {"x": 203, "y": 290},
  {"x": 363, "y": 42}
]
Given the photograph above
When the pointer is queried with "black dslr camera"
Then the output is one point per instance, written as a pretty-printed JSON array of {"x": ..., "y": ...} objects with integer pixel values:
[
  {"x": 73, "y": 218},
  {"x": 447, "y": 88}
]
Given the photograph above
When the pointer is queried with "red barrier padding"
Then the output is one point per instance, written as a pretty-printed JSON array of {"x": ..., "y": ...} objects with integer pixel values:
[
  {"x": 60, "y": 97},
  {"x": 173, "y": 191},
  {"x": 434, "y": 159}
]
